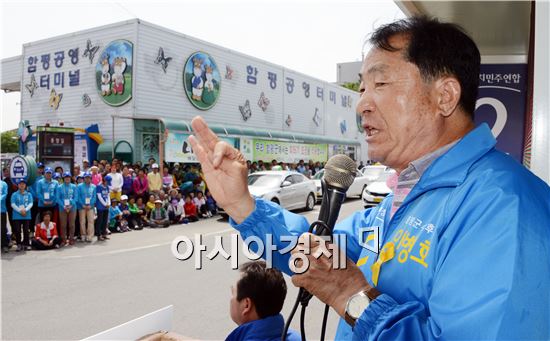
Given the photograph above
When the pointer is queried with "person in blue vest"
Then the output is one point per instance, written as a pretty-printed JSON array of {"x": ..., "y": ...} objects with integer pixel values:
[
  {"x": 460, "y": 250},
  {"x": 45, "y": 191},
  {"x": 86, "y": 197},
  {"x": 256, "y": 303},
  {"x": 22, "y": 202},
  {"x": 65, "y": 195},
  {"x": 103, "y": 204},
  {"x": 3, "y": 215}
]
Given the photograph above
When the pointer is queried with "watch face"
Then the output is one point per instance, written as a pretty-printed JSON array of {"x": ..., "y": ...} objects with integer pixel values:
[{"x": 357, "y": 305}]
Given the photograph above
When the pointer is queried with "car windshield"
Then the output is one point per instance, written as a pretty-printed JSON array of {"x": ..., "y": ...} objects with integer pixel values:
[
  {"x": 319, "y": 174},
  {"x": 264, "y": 180}
]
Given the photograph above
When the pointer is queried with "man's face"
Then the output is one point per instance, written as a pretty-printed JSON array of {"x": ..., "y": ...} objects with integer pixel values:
[
  {"x": 87, "y": 180},
  {"x": 48, "y": 176},
  {"x": 396, "y": 106},
  {"x": 67, "y": 180}
]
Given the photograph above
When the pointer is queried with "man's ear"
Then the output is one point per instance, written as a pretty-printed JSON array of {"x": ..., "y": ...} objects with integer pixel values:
[
  {"x": 248, "y": 306},
  {"x": 448, "y": 92}
]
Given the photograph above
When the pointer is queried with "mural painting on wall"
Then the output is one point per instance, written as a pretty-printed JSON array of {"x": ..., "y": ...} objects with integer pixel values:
[
  {"x": 317, "y": 117},
  {"x": 228, "y": 72},
  {"x": 32, "y": 86},
  {"x": 162, "y": 60},
  {"x": 288, "y": 121},
  {"x": 55, "y": 99},
  {"x": 90, "y": 51},
  {"x": 114, "y": 71},
  {"x": 201, "y": 80},
  {"x": 245, "y": 110},
  {"x": 263, "y": 102},
  {"x": 86, "y": 100}
]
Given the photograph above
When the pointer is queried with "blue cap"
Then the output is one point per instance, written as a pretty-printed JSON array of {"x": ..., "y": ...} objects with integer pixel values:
[
  {"x": 56, "y": 175},
  {"x": 20, "y": 180},
  {"x": 79, "y": 177},
  {"x": 87, "y": 175},
  {"x": 67, "y": 174},
  {"x": 48, "y": 170},
  {"x": 39, "y": 165},
  {"x": 108, "y": 178}
]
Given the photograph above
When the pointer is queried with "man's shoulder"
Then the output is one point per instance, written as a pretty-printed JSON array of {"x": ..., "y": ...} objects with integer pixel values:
[{"x": 499, "y": 170}]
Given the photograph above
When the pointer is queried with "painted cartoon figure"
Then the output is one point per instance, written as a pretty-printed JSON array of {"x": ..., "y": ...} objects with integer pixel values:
[
  {"x": 197, "y": 82},
  {"x": 105, "y": 77},
  {"x": 209, "y": 77},
  {"x": 118, "y": 75}
]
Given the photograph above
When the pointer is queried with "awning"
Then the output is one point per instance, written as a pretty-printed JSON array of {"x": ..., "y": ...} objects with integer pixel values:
[{"x": 224, "y": 130}]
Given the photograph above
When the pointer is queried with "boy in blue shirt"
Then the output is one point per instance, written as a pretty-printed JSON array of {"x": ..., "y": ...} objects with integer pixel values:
[{"x": 22, "y": 202}]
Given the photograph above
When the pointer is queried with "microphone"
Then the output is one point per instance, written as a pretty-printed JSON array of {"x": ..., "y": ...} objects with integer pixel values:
[
  {"x": 339, "y": 174},
  {"x": 340, "y": 171}
]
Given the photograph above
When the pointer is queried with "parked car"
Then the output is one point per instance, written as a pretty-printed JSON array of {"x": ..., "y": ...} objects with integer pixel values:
[
  {"x": 362, "y": 179},
  {"x": 375, "y": 192},
  {"x": 291, "y": 190}
]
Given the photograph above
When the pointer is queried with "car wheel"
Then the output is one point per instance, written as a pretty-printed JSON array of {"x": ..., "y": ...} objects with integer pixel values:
[{"x": 310, "y": 202}]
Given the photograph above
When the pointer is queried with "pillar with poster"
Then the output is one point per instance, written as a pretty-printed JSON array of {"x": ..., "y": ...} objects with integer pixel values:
[{"x": 55, "y": 147}]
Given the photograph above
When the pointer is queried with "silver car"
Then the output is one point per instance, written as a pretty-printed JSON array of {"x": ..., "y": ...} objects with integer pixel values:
[{"x": 289, "y": 189}]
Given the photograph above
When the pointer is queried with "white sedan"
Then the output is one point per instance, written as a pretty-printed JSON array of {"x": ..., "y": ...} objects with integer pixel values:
[
  {"x": 374, "y": 193},
  {"x": 362, "y": 179},
  {"x": 291, "y": 190}
]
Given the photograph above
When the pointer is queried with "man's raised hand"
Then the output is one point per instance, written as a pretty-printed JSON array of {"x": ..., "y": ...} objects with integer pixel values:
[{"x": 224, "y": 169}]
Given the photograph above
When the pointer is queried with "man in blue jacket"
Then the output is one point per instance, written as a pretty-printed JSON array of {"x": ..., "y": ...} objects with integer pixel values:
[
  {"x": 45, "y": 191},
  {"x": 85, "y": 203},
  {"x": 65, "y": 195},
  {"x": 464, "y": 247},
  {"x": 256, "y": 303}
]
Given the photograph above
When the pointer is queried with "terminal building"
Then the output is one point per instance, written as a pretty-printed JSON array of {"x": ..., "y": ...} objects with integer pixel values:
[{"x": 141, "y": 84}]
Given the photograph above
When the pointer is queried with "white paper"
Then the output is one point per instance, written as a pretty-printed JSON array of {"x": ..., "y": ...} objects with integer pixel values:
[
  {"x": 46, "y": 195},
  {"x": 67, "y": 202}
]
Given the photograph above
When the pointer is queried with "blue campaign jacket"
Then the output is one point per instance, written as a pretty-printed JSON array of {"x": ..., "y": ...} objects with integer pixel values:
[
  {"x": 471, "y": 250},
  {"x": 266, "y": 329},
  {"x": 103, "y": 201},
  {"x": 84, "y": 191},
  {"x": 3, "y": 195},
  {"x": 19, "y": 200},
  {"x": 63, "y": 192},
  {"x": 43, "y": 186},
  {"x": 34, "y": 188}
]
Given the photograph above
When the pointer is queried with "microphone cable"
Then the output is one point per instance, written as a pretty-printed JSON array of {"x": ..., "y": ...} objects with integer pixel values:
[{"x": 303, "y": 296}]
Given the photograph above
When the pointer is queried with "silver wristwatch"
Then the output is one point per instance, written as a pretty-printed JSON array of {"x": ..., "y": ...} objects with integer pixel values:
[{"x": 357, "y": 304}]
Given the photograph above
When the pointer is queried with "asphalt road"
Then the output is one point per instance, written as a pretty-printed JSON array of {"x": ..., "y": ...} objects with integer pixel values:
[{"x": 79, "y": 291}]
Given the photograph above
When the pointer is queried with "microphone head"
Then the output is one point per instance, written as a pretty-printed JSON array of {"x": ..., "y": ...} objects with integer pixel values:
[{"x": 340, "y": 172}]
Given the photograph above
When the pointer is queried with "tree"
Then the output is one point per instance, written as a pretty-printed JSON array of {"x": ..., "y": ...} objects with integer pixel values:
[
  {"x": 352, "y": 86},
  {"x": 8, "y": 143}
]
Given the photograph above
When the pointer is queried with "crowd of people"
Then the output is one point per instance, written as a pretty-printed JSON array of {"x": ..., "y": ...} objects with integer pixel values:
[
  {"x": 90, "y": 201},
  {"x": 63, "y": 207}
]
